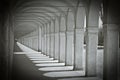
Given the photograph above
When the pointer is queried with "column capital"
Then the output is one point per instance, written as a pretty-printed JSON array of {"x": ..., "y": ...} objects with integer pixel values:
[
  {"x": 92, "y": 29},
  {"x": 70, "y": 32},
  {"x": 62, "y": 31},
  {"x": 79, "y": 31},
  {"x": 111, "y": 27}
]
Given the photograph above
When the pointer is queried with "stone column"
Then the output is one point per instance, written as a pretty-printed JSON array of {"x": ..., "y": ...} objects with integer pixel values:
[
  {"x": 49, "y": 47},
  {"x": 62, "y": 38},
  {"x": 43, "y": 40},
  {"x": 79, "y": 39},
  {"x": 70, "y": 39},
  {"x": 111, "y": 40},
  {"x": 57, "y": 38},
  {"x": 111, "y": 46},
  {"x": 30, "y": 41},
  {"x": 47, "y": 37},
  {"x": 39, "y": 39},
  {"x": 92, "y": 37},
  {"x": 52, "y": 38}
]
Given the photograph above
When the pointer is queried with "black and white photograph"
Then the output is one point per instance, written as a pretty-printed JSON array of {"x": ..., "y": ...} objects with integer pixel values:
[{"x": 59, "y": 40}]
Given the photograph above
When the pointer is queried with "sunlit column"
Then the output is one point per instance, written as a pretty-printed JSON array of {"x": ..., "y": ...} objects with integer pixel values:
[
  {"x": 39, "y": 39},
  {"x": 49, "y": 46},
  {"x": 45, "y": 44},
  {"x": 37, "y": 47},
  {"x": 57, "y": 45},
  {"x": 52, "y": 38},
  {"x": 70, "y": 39},
  {"x": 92, "y": 37},
  {"x": 62, "y": 38},
  {"x": 79, "y": 38},
  {"x": 47, "y": 38},
  {"x": 43, "y": 40}
]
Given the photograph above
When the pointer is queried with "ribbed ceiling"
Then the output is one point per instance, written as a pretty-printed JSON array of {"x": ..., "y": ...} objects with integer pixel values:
[{"x": 29, "y": 14}]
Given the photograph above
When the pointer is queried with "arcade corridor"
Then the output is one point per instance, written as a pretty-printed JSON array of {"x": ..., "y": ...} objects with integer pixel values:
[{"x": 59, "y": 40}]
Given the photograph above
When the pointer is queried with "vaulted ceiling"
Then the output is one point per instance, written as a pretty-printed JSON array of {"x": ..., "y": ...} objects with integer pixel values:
[{"x": 30, "y": 14}]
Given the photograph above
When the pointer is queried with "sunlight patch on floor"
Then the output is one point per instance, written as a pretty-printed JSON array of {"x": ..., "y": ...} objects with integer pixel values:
[
  {"x": 45, "y": 61},
  {"x": 51, "y": 64},
  {"x": 42, "y": 59},
  {"x": 56, "y": 68},
  {"x": 65, "y": 74},
  {"x": 19, "y": 52},
  {"x": 39, "y": 57},
  {"x": 36, "y": 54}
]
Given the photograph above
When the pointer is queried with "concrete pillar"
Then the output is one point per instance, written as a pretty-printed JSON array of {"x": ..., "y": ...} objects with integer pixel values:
[
  {"x": 30, "y": 41},
  {"x": 62, "y": 38},
  {"x": 39, "y": 39},
  {"x": 119, "y": 59},
  {"x": 92, "y": 37},
  {"x": 79, "y": 38},
  {"x": 43, "y": 40},
  {"x": 70, "y": 38},
  {"x": 11, "y": 46},
  {"x": 111, "y": 40},
  {"x": 111, "y": 46},
  {"x": 48, "y": 39},
  {"x": 57, "y": 45},
  {"x": 45, "y": 44},
  {"x": 52, "y": 38},
  {"x": 47, "y": 32}
]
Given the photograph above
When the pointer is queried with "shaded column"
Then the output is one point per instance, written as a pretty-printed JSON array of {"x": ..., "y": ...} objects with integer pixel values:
[
  {"x": 79, "y": 38},
  {"x": 62, "y": 38},
  {"x": 57, "y": 45},
  {"x": 70, "y": 38},
  {"x": 111, "y": 40},
  {"x": 92, "y": 37},
  {"x": 111, "y": 44}
]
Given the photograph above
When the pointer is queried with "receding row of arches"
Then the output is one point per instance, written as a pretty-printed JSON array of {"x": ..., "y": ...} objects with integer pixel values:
[{"x": 70, "y": 31}]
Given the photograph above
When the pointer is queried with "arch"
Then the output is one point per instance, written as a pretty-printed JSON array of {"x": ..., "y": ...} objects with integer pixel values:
[
  {"x": 62, "y": 23},
  {"x": 70, "y": 21}
]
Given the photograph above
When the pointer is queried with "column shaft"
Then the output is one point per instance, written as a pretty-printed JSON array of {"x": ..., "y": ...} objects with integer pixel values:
[
  {"x": 62, "y": 46},
  {"x": 111, "y": 46},
  {"x": 69, "y": 48},
  {"x": 79, "y": 39}
]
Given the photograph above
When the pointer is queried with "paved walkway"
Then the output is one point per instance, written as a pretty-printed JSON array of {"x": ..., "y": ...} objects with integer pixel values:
[{"x": 36, "y": 66}]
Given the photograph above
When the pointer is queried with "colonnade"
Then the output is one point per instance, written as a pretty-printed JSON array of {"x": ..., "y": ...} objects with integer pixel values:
[
  {"x": 30, "y": 40},
  {"x": 62, "y": 38}
]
